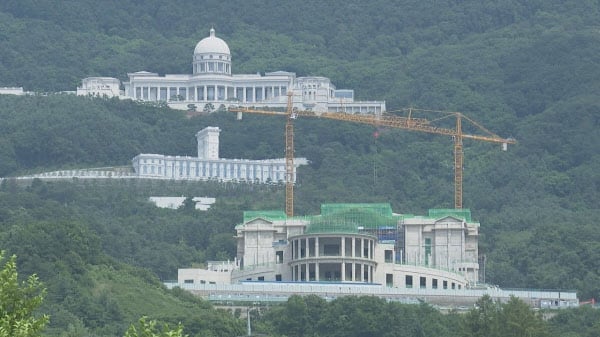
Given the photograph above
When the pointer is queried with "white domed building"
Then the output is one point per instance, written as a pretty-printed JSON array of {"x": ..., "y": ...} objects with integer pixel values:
[{"x": 213, "y": 85}]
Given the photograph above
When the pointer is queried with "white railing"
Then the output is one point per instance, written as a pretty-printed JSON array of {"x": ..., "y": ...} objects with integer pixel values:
[{"x": 269, "y": 291}]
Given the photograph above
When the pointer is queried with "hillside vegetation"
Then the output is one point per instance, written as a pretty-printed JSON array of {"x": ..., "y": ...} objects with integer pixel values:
[{"x": 524, "y": 69}]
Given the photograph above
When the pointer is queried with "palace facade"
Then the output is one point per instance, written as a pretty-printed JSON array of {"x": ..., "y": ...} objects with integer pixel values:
[
  {"x": 212, "y": 85},
  {"x": 209, "y": 166}
]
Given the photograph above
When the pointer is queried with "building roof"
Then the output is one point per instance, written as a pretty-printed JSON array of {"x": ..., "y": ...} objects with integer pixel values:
[
  {"x": 212, "y": 45},
  {"x": 267, "y": 215},
  {"x": 438, "y": 213},
  {"x": 352, "y": 218}
]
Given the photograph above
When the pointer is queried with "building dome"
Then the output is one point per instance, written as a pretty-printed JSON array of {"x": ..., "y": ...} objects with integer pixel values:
[
  {"x": 212, "y": 45},
  {"x": 212, "y": 56}
]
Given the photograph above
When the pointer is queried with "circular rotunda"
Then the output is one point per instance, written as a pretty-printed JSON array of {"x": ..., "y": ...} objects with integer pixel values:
[{"x": 212, "y": 56}]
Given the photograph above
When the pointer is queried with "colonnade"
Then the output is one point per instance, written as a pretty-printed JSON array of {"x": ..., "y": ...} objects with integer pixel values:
[
  {"x": 191, "y": 169},
  {"x": 244, "y": 94},
  {"x": 340, "y": 258}
]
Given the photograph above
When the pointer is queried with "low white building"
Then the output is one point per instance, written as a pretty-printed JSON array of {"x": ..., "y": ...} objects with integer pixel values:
[
  {"x": 12, "y": 91},
  {"x": 209, "y": 166},
  {"x": 356, "y": 243},
  {"x": 212, "y": 85},
  {"x": 201, "y": 203},
  {"x": 100, "y": 86}
]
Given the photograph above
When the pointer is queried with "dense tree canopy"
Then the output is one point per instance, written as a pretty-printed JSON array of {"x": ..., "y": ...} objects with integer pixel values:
[{"x": 524, "y": 69}]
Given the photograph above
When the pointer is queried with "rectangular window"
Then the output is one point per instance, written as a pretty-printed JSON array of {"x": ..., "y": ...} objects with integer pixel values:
[
  {"x": 389, "y": 256},
  {"x": 357, "y": 247},
  {"x": 279, "y": 257},
  {"x": 408, "y": 281},
  {"x": 302, "y": 248},
  {"x": 445, "y": 284},
  {"x": 331, "y": 250},
  {"x": 434, "y": 283},
  {"x": 427, "y": 250},
  {"x": 261, "y": 278},
  {"x": 348, "y": 247},
  {"x": 278, "y": 277},
  {"x": 188, "y": 281},
  {"x": 389, "y": 280},
  {"x": 258, "y": 94},
  {"x": 422, "y": 282},
  {"x": 348, "y": 272}
]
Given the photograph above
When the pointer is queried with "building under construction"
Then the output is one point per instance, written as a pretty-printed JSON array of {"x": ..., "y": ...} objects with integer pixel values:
[{"x": 352, "y": 243}]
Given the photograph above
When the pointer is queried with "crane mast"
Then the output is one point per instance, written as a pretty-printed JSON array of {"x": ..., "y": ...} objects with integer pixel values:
[
  {"x": 383, "y": 120},
  {"x": 458, "y": 164},
  {"x": 289, "y": 158}
]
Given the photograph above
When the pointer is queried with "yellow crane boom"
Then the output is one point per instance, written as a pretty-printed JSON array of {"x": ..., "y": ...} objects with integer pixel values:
[{"x": 383, "y": 120}]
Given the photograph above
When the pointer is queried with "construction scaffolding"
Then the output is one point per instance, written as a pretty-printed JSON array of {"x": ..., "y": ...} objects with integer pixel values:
[{"x": 374, "y": 219}]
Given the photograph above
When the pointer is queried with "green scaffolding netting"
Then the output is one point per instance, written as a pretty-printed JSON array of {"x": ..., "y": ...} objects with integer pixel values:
[{"x": 353, "y": 218}]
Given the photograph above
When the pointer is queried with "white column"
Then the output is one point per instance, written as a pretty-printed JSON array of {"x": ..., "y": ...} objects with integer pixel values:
[{"x": 307, "y": 248}]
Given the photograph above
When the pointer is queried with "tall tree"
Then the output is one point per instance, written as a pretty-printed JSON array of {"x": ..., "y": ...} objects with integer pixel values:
[
  {"x": 150, "y": 329},
  {"x": 18, "y": 302}
]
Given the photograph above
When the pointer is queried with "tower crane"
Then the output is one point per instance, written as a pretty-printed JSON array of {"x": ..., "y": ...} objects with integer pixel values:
[{"x": 382, "y": 120}]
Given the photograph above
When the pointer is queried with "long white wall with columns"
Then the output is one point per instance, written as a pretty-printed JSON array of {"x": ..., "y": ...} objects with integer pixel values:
[{"x": 208, "y": 166}]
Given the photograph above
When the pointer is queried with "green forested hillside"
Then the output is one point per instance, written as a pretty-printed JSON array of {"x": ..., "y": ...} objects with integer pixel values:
[{"x": 524, "y": 69}]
